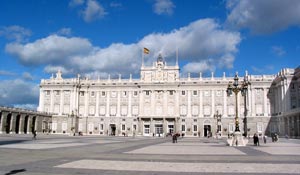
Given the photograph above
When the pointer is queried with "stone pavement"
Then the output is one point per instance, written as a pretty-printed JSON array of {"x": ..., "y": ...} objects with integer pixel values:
[{"x": 66, "y": 155}]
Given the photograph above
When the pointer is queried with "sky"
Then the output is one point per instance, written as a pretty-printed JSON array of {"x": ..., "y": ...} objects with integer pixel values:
[{"x": 96, "y": 38}]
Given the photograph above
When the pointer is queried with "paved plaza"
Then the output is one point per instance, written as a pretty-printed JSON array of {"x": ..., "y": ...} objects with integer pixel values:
[{"x": 66, "y": 155}]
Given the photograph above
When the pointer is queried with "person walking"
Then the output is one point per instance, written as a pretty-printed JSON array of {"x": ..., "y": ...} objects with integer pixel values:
[
  {"x": 255, "y": 140},
  {"x": 265, "y": 139},
  {"x": 34, "y": 135}
]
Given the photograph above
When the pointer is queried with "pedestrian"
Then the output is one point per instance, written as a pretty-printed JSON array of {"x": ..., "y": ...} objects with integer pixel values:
[
  {"x": 255, "y": 140},
  {"x": 265, "y": 139},
  {"x": 34, "y": 135}
]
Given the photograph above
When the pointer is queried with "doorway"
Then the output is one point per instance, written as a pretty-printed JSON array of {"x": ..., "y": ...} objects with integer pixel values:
[
  {"x": 170, "y": 129},
  {"x": 17, "y": 124},
  {"x": 112, "y": 129},
  {"x": 207, "y": 130},
  {"x": 26, "y": 124},
  {"x": 158, "y": 129},
  {"x": 8, "y": 123}
]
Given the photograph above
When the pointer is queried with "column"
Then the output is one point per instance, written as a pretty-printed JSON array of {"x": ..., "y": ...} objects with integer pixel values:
[
  {"x": 265, "y": 94},
  {"x": 213, "y": 102},
  {"x": 189, "y": 113},
  {"x": 119, "y": 103},
  {"x": 249, "y": 101},
  {"x": 141, "y": 104},
  {"x": 97, "y": 103},
  {"x": 86, "y": 102},
  {"x": 41, "y": 102},
  {"x": 201, "y": 103},
  {"x": 153, "y": 100},
  {"x": 51, "y": 100},
  {"x": 225, "y": 114},
  {"x": 61, "y": 106},
  {"x": 129, "y": 104},
  {"x": 13, "y": 123},
  {"x": 176, "y": 106},
  {"x": 107, "y": 103},
  {"x": 253, "y": 102},
  {"x": 165, "y": 103}
]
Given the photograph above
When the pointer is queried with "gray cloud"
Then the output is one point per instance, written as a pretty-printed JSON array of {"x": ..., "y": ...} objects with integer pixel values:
[
  {"x": 163, "y": 7},
  {"x": 15, "y": 33},
  {"x": 18, "y": 93},
  {"x": 202, "y": 43},
  {"x": 278, "y": 50},
  {"x": 7, "y": 73},
  {"x": 263, "y": 16},
  {"x": 93, "y": 11}
]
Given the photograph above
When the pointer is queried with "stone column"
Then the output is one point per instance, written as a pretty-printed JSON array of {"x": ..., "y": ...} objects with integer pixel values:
[
  {"x": 61, "y": 110},
  {"x": 253, "y": 91},
  {"x": 86, "y": 103},
  {"x": 129, "y": 104},
  {"x": 165, "y": 103},
  {"x": 107, "y": 103},
  {"x": 13, "y": 123},
  {"x": 97, "y": 103},
  {"x": 201, "y": 103},
  {"x": 213, "y": 110},
  {"x": 225, "y": 114},
  {"x": 41, "y": 102},
  {"x": 189, "y": 113},
  {"x": 22, "y": 123},
  {"x": 51, "y": 101},
  {"x": 265, "y": 96},
  {"x": 119, "y": 93}
]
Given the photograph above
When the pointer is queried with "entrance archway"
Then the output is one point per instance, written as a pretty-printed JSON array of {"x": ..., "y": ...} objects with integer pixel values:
[
  {"x": 8, "y": 123},
  {"x": 17, "y": 124}
]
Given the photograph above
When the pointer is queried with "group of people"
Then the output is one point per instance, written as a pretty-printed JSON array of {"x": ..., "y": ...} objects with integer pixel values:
[{"x": 256, "y": 139}]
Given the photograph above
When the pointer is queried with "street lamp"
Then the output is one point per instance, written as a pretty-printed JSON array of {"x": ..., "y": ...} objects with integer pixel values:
[
  {"x": 218, "y": 117},
  {"x": 236, "y": 88}
]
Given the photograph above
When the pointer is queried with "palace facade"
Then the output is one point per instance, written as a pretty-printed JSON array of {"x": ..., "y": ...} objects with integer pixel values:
[{"x": 162, "y": 102}]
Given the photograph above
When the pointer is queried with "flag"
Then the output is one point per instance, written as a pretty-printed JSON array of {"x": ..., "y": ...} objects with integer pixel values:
[{"x": 146, "y": 51}]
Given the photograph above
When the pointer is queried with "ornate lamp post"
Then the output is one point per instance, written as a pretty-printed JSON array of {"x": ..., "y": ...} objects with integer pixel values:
[
  {"x": 236, "y": 88},
  {"x": 218, "y": 117}
]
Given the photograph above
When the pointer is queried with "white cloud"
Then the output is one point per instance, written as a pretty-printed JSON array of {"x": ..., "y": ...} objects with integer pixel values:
[
  {"x": 163, "y": 7},
  {"x": 50, "y": 50},
  {"x": 18, "y": 92},
  {"x": 74, "y": 3},
  {"x": 15, "y": 33},
  {"x": 93, "y": 11},
  {"x": 202, "y": 43},
  {"x": 278, "y": 50},
  {"x": 263, "y": 16}
]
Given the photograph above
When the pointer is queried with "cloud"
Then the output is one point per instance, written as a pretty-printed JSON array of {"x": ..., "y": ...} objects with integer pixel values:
[
  {"x": 15, "y": 33},
  {"x": 115, "y": 4},
  {"x": 278, "y": 50},
  {"x": 19, "y": 92},
  {"x": 64, "y": 32},
  {"x": 263, "y": 69},
  {"x": 203, "y": 44},
  {"x": 93, "y": 11},
  {"x": 263, "y": 16},
  {"x": 27, "y": 76},
  {"x": 74, "y": 3},
  {"x": 163, "y": 7},
  {"x": 7, "y": 73},
  {"x": 50, "y": 50}
]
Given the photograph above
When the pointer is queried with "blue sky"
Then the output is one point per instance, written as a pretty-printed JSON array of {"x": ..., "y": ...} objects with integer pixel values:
[{"x": 101, "y": 37}]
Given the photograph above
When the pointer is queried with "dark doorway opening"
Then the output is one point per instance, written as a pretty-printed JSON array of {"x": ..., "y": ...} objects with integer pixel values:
[
  {"x": 26, "y": 124},
  {"x": 207, "y": 130},
  {"x": 8, "y": 123},
  {"x": 33, "y": 124},
  {"x": 112, "y": 129},
  {"x": 18, "y": 124}
]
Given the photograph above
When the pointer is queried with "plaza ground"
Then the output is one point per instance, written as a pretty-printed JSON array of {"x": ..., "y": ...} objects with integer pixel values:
[{"x": 66, "y": 155}]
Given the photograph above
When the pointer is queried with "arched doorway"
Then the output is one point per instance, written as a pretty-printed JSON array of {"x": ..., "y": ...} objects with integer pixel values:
[
  {"x": 33, "y": 123},
  {"x": 8, "y": 123},
  {"x": 207, "y": 128},
  {"x": 17, "y": 124},
  {"x": 26, "y": 124}
]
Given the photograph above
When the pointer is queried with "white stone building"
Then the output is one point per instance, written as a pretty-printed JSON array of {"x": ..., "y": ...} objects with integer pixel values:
[{"x": 158, "y": 103}]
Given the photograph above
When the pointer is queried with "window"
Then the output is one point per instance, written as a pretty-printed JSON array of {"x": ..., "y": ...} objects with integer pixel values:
[
  {"x": 124, "y": 93},
  {"x": 57, "y": 92},
  {"x": 171, "y": 92},
  {"x": 147, "y": 93},
  {"x": 113, "y": 94},
  {"x": 123, "y": 127},
  {"x": 47, "y": 93},
  {"x": 101, "y": 127},
  {"x": 134, "y": 127},
  {"x": 81, "y": 93},
  {"x": 92, "y": 94},
  {"x": 103, "y": 94},
  {"x": 135, "y": 93},
  {"x": 182, "y": 127},
  {"x": 195, "y": 93},
  {"x": 182, "y": 92},
  {"x": 195, "y": 128}
]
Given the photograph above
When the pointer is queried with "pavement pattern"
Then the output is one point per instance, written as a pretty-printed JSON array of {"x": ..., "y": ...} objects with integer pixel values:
[{"x": 66, "y": 155}]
